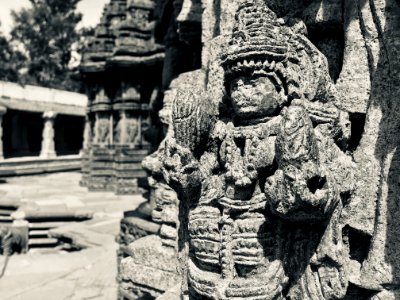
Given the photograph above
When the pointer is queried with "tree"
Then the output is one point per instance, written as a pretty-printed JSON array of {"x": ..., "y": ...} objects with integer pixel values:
[
  {"x": 45, "y": 34},
  {"x": 11, "y": 60}
]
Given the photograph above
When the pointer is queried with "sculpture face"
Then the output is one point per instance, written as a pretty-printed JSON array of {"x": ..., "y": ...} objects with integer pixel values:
[{"x": 254, "y": 97}]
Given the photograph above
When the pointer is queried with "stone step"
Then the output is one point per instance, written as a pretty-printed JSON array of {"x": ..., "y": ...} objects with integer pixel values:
[
  {"x": 45, "y": 225},
  {"x": 6, "y": 211},
  {"x": 9, "y": 203},
  {"x": 43, "y": 242},
  {"x": 38, "y": 233},
  {"x": 49, "y": 215},
  {"x": 5, "y": 219}
]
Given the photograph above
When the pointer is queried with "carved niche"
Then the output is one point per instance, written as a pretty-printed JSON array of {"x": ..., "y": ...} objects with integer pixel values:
[{"x": 261, "y": 183}]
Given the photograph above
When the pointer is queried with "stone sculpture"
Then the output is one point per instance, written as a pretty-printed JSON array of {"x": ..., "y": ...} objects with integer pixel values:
[
  {"x": 262, "y": 182},
  {"x": 102, "y": 130},
  {"x": 132, "y": 130}
]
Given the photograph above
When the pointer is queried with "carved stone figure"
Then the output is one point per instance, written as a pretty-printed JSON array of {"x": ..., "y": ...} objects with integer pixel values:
[
  {"x": 102, "y": 130},
  {"x": 132, "y": 131},
  {"x": 261, "y": 183},
  {"x": 126, "y": 131}
]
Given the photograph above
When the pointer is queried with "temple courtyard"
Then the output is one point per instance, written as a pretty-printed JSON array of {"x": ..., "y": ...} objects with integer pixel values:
[{"x": 52, "y": 272}]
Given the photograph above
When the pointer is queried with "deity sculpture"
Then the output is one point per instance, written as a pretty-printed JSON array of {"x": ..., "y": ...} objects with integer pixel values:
[
  {"x": 262, "y": 183},
  {"x": 102, "y": 129},
  {"x": 126, "y": 131},
  {"x": 132, "y": 130}
]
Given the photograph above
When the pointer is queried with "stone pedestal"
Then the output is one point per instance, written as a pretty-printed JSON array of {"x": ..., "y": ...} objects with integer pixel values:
[
  {"x": 101, "y": 161},
  {"x": 3, "y": 110},
  {"x": 48, "y": 147},
  {"x": 129, "y": 174},
  {"x": 101, "y": 169}
]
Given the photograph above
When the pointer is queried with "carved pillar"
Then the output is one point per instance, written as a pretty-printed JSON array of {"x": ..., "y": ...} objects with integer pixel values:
[
  {"x": 120, "y": 133},
  {"x": 48, "y": 147},
  {"x": 3, "y": 110},
  {"x": 111, "y": 127},
  {"x": 87, "y": 133}
]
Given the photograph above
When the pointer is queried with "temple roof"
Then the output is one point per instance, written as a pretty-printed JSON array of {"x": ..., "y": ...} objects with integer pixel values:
[{"x": 123, "y": 37}]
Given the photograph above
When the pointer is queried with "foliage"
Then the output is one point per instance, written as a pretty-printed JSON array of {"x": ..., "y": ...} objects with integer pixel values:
[
  {"x": 45, "y": 34},
  {"x": 11, "y": 60}
]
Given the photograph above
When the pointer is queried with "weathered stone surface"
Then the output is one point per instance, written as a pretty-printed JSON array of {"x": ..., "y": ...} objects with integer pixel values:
[
  {"x": 149, "y": 252},
  {"x": 133, "y": 228},
  {"x": 150, "y": 266},
  {"x": 171, "y": 294},
  {"x": 354, "y": 83}
]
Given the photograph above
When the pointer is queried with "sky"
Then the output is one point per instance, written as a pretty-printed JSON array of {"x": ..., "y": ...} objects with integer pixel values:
[{"x": 91, "y": 10}]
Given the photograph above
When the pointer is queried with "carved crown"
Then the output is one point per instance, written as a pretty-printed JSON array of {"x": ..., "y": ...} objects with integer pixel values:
[{"x": 258, "y": 39}]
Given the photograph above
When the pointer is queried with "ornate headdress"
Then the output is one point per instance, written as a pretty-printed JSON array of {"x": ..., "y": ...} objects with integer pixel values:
[
  {"x": 258, "y": 39},
  {"x": 261, "y": 43}
]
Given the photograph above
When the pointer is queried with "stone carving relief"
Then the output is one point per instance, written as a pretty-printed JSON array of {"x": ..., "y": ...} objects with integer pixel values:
[
  {"x": 262, "y": 183},
  {"x": 100, "y": 95},
  {"x": 132, "y": 130},
  {"x": 126, "y": 131},
  {"x": 102, "y": 128}
]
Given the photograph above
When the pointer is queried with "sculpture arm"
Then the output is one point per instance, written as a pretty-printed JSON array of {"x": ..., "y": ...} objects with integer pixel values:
[
  {"x": 301, "y": 189},
  {"x": 187, "y": 144}
]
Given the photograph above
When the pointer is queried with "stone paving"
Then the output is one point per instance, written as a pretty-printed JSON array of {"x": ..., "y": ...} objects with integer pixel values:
[{"x": 52, "y": 275}]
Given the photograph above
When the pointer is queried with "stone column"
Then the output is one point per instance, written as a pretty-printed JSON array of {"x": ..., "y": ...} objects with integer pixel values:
[
  {"x": 48, "y": 147},
  {"x": 3, "y": 110},
  {"x": 122, "y": 128},
  {"x": 87, "y": 134},
  {"x": 111, "y": 129}
]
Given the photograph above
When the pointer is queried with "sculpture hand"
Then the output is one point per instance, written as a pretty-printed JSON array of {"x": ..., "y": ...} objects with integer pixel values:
[
  {"x": 180, "y": 167},
  {"x": 191, "y": 120},
  {"x": 300, "y": 189}
]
